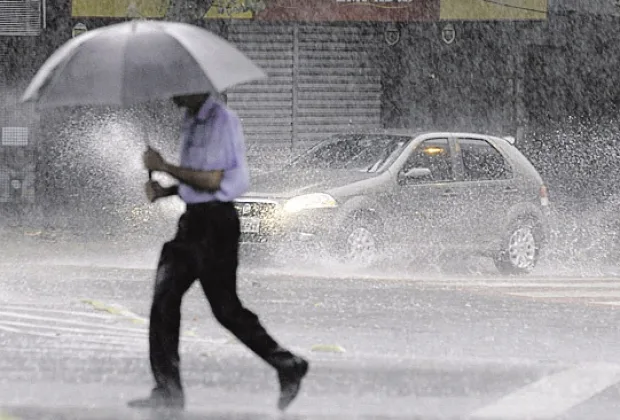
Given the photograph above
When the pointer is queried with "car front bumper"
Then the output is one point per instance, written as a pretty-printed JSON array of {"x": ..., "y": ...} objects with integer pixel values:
[{"x": 265, "y": 221}]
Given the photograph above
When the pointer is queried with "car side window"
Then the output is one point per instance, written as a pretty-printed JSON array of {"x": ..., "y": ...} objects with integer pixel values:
[
  {"x": 482, "y": 161},
  {"x": 434, "y": 155}
]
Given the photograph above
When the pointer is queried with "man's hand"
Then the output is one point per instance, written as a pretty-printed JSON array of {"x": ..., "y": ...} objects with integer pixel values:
[
  {"x": 201, "y": 180},
  {"x": 153, "y": 160},
  {"x": 155, "y": 191}
]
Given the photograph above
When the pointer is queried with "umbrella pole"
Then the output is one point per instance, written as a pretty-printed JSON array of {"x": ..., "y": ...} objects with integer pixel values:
[{"x": 145, "y": 137}]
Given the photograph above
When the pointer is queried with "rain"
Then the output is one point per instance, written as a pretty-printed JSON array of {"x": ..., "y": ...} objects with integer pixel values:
[{"x": 431, "y": 220}]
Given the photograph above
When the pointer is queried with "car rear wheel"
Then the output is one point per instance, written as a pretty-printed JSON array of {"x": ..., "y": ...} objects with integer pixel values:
[{"x": 520, "y": 249}]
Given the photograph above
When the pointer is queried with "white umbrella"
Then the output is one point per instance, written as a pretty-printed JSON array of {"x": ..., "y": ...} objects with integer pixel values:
[{"x": 127, "y": 63}]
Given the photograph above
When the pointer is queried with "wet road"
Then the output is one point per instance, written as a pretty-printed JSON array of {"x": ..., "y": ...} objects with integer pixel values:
[{"x": 384, "y": 344}]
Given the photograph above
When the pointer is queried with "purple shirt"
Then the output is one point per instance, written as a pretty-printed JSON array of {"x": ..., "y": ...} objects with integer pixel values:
[{"x": 213, "y": 140}]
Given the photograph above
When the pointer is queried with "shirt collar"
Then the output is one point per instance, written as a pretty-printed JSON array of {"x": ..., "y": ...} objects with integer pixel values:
[{"x": 203, "y": 112}]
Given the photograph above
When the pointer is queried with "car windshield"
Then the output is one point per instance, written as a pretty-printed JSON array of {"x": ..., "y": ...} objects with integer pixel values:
[{"x": 365, "y": 153}]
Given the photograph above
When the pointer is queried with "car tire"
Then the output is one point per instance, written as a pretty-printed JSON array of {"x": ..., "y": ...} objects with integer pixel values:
[
  {"x": 359, "y": 241},
  {"x": 520, "y": 248}
]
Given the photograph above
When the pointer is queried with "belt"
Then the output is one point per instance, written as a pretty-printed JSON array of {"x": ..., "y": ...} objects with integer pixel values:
[{"x": 207, "y": 205}]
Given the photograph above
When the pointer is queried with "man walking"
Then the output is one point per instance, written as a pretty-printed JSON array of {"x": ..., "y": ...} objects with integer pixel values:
[{"x": 212, "y": 173}]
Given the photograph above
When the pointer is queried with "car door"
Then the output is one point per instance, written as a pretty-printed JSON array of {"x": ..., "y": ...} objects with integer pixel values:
[
  {"x": 490, "y": 186},
  {"x": 421, "y": 202}
]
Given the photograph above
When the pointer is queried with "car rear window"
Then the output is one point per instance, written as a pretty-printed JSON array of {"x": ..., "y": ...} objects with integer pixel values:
[{"x": 482, "y": 161}]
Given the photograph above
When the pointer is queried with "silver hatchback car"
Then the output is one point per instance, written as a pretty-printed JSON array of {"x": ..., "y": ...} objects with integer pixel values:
[{"x": 355, "y": 194}]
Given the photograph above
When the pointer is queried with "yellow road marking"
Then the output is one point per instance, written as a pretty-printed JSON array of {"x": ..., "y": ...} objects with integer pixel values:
[
  {"x": 122, "y": 312},
  {"x": 328, "y": 348}
]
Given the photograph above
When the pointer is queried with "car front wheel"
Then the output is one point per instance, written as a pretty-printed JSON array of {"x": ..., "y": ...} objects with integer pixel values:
[
  {"x": 520, "y": 249},
  {"x": 358, "y": 243}
]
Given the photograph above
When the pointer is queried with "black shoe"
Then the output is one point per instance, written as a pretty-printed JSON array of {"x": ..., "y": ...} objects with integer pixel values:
[
  {"x": 160, "y": 399},
  {"x": 290, "y": 377}
]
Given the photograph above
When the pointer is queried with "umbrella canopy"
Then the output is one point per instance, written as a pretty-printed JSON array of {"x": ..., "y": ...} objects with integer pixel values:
[{"x": 131, "y": 62}]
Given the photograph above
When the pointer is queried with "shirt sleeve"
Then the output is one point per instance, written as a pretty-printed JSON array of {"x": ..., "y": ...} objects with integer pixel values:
[{"x": 221, "y": 149}]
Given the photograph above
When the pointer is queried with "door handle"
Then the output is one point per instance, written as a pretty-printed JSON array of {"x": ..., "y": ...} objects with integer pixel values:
[{"x": 448, "y": 193}]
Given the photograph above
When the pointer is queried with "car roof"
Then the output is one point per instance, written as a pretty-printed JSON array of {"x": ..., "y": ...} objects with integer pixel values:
[{"x": 413, "y": 134}]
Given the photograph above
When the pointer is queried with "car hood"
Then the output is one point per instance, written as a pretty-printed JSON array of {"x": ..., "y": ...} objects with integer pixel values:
[{"x": 289, "y": 184}]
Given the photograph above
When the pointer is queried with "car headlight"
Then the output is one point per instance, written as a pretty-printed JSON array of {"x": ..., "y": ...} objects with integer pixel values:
[{"x": 309, "y": 201}]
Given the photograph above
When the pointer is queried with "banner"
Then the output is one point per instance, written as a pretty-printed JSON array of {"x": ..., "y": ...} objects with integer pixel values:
[
  {"x": 329, "y": 10},
  {"x": 153, "y": 9},
  {"x": 494, "y": 9},
  {"x": 119, "y": 8},
  {"x": 273, "y": 10},
  {"x": 350, "y": 10},
  {"x": 235, "y": 9}
]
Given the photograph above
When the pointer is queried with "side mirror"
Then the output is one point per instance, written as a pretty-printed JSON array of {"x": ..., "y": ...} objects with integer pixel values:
[{"x": 417, "y": 173}]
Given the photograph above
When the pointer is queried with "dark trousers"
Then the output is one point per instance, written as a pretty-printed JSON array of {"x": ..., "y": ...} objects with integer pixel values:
[{"x": 204, "y": 248}]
